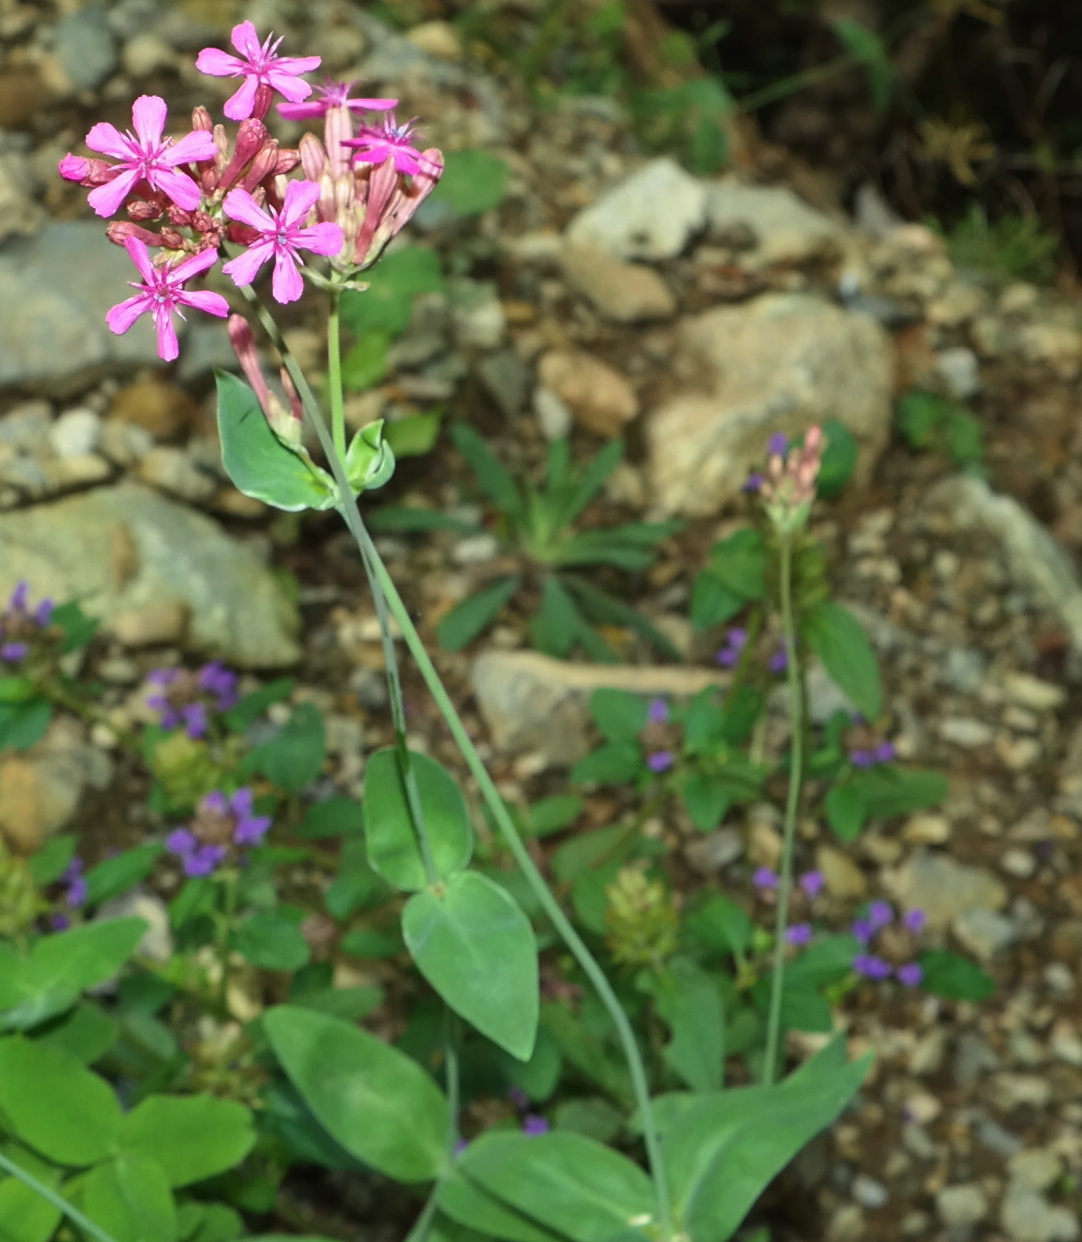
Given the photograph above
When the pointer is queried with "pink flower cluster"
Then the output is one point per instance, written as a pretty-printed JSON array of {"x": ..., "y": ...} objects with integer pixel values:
[{"x": 204, "y": 193}]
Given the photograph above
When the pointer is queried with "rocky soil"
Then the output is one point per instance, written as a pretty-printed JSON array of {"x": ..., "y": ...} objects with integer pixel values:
[{"x": 612, "y": 293}]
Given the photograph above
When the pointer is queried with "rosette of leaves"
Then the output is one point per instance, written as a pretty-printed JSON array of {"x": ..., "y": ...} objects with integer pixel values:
[{"x": 551, "y": 562}]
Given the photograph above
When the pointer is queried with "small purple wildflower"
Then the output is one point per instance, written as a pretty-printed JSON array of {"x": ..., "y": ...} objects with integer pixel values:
[
  {"x": 885, "y": 752},
  {"x": 197, "y": 858},
  {"x": 334, "y": 95},
  {"x": 894, "y": 941},
  {"x": 880, "y": 914},
  {"x": 914, "y": 921},
  {"x": 864, "y": 757},
  {"x": 735, "y": 641},
  {"x": 861, "y": 758},
  {"x": 753, "y": 482},
  {"x": 660, "y": 760},
  {"x": 871, "y": 967},
  {"x": 518, "y": 1097},
  {"x": 910, "y": 974},
  {"x": 799, "y": 933},
  {"x": 14, "y": 652},
  {"x": 533, "y": 1125},
  {"x": 19, "y": 624},
  {"x": 777, "y": 445},
  {"x": 658, "y": 711},
  {"x": 779, "y": 661},
  {"x": 73, "y": 877},
  {"x": 189, "y": 698},
  {"x": 813, "y": 883},
  {"x": 765, "y": 878}
]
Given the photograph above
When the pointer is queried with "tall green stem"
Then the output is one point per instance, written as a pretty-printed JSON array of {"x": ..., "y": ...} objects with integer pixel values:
[
  {"x": 792, "y": 805},
  {"x": 489, "y": 792},
  {"x": 334, "y": 375},
  {"x": 58, "y": 1201}
]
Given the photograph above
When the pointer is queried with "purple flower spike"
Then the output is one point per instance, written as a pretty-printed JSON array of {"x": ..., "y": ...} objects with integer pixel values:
[
  {"x": 910, "y": 974},
  {"x": 871, "y": 967},
  {"x": 43, "y": 613},
  {"x": 765, "y": 878},
  {"x": 885, "y": 752},
  {"x": 78, "y": 890},
  {"x": 777, "y": 445},
  {"x": 660, "y": 760},
  {"x": 533, "y": 1125},
  {"x": 779, "y": 661},
  {"x": 181, "y": 841},
  {"x": 863, "y": 931},
  {"x": 735, "y": 641},
  {"x": 880, "y": 914},
  {"x": 202, "y": 861},
  {"x": 20, "y": 597},
  {"x": 753, "y": 482},
  {"x": 813, "y": 883},
  {"x": 14, "y": 652},
  {"x": 861, "y": 758},
  {"x": 194, "y": 716},
  {"x": 221, "y": 682},
  {"x": 914, "y": 921},
  {"x": 658, "y": 711},
  {"x": 799, "y": 933}
]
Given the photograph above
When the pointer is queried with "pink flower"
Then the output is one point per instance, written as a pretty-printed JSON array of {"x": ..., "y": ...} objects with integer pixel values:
[
  {"x": 282, "y": 234},
  {"x": 335, "y": 95},
  {"x": 162, "y": 293},
  {"x": 145, "y": 155},
  {"x": 259, "y": 66},
  {"x": 376, "y": 143}
]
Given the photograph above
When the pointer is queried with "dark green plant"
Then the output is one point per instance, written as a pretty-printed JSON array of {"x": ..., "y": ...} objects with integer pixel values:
[
  {"x": 1012, "y": 247},
  {"x": 931, "y": 423}
]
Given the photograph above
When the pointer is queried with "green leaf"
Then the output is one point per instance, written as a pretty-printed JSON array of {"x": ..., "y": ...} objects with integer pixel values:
[
  {"x": 474, "y": 945},
  {"x": 891, "y": 790},
  {"x": 380, "y": 1105},
  {"x": 393, "y": 849},
  {"x": 920, "y": 417},
  {"x": 609, "y": 765},
  {"x": 473, "y": 181},
  {"x": 62, "y": 966},
  {"x": 85, "y": 1032},
  {"x": 839, "y": 459},
  {"x": 414, "y": 434},
  {"x": 272, "y": 941},
  {"x": 846, "y": 810},
  {"x": 556, "y": 626},
  {"x": 51, "y": 861},
  {"x": 570, "y": 1184},
  {"x": 707, "y": 797},
  {"x": 739, "y": 564},
  {"x": 720, "y": 925},
  {"x": 54, "y": 1104},
  {"x": 117, "y": 875},
  {"x": 837, "y": 638},
  {"x": 294, "y": 757},
  {"x": 129, "y": 1197},
  {"x": 334, "y": 817},
  {"x": 24, "y": 1215},
  {"x": 258, "y": 462},
  {"x": 692, "y": 1008},
  {"x": 466, "y": 620},
  {"x": 549, "y": 815},
  {"x": 78, "y": 628},
  {"x": 496, "y": 483},
  {"x": 209, "y": 1222},
  {"x": 23, "y": 724},
  {"x": 369, "y": 459},
  {"x": 365, "y": 364},
  {"x": 253, "y": 705},
  {"x": 712, "y": 603},
  {"x": 386, "y": 304},
  {"x": 467, "y": 1203},
  {"x": 872, "y": 53},
  {"x": 948, "y": 975},
  {"x": 192, "y": 1137},
  {"x": 620, "y": 715}
]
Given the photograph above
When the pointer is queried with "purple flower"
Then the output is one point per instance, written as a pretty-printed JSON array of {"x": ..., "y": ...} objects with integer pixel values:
[
  {"x": 880, "y": 914},
  {"x": 910, "y": 974},
  {"x": 799, "y": 933},
  {"x": 19, "y": 623},
  {"x": 813, "y": 883},
  {"x": 189, "y": 697},
  {"x": 14, "y": 652},
  {"x": 250, "y": 829},
  {"x": 217, "y": 680},
  {"x": 533, "y": 1125},
  {"x": 660, "y": 760},
  {"x": 863, "y": 931},
  {"x": 518, "y": 1097},
  {"x": 765, "y": 878},
  {"x": 162, "y": 294},
  {"x": 335, "y": 95},
  {"x": 658, "y": 711},
  {"x": 259, "y": 65},
  {"x": 735, "y": 641},
  {"x": 197, "y": 858},
  {"x": 871, "y": 967},
  {"x": 753, "y": 482},
  {"x": 914, "y": 921},
  {"x": 282, "y": 235},
  {"x": 861, "y": 758},
  {"x": 777, "y": 445},
  {"x": 146, "y": 156},
  {"x": 885, "y": 752},
  {"x": 387, "y": 140},
  {"x": 779, "y": 661},
  {"x": 77, "y": 886}
]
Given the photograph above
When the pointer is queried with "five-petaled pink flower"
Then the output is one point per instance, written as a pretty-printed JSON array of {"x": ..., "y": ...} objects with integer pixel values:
[
  {"x": 283, "y": 234},
  {"x": 145, "y": 155},
  {"x": 377, "y": 143},
  {"x": 259, "y": 65},
  {"x": 335, "y": 95},
  {"x": 162, "y": 292}
]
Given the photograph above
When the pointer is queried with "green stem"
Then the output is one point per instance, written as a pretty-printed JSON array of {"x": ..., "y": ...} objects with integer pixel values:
[
  {"x": 792, "y": 804},
  {"x": 489, "y": 792},
  {"x": 225, "y": 928},
  {"x": 58, "y": 1201},
  {"x": 334, "y": 375}
]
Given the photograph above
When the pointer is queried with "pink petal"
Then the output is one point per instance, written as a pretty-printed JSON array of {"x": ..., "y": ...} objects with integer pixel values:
[
  {"x": 148, "y": 116},
  {"x": 245, "y": 40},
  {"x": 109, "y": 140},
  {"x": 194, "y": 266},
  {"x": 371, "y": 105},
  {"x": 218, "y": 64},
  {"x": 286, "y": 285},
  {"x": 240, "y": 205},
  {"x": 243, "y": 269},
  {"x": 140, "y": 256},
  {"x": 205, "y": 300},
  {"x": 168, "y": 348},
  {"x": 239, "y": 105},
  {"x": 121, "y": 317},
  {"x": 320, "y": 239},
  {"x": 178, "y": 186},
  {"x": 107, "y": 199},
  {"x": 301, "y": 197},
  {"x": 302, "y": 111},
  {"x": 193, "y": 147},
  {"x": 296, "y": 64}
]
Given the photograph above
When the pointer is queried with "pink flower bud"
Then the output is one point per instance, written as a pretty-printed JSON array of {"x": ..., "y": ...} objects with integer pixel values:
[{"x": 286, "y": 425}]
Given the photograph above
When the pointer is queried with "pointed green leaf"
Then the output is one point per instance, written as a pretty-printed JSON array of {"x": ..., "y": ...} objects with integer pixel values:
[
  {"x": 258, "y": 462},
  {"x": 692, "y": 1007},
  {"x": 192, "y": 1137},
  {"x": 492, "y": 478},
  {"x": 129, "y": 1197},
  {"x": 946, "y": 974},
  {"x": 474, "y": 945},
  {"x": 272, "y": 940},
  {"x": 393, "y": 849},
  {"x": 837, "y": 638},
  {"x": 468, "y": 1204},
  {"x": 466, "y": 620},
  {"x": 377, "y": 1102}
]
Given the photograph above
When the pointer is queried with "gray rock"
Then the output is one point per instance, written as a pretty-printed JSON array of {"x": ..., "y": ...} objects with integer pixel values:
[
  {"x": 55, "y": 288},
  {"x": 944, "y": 889},
  {"x": 960, "y": 1207},
  {"x": 984, "y": 932},
  {"x": 960, "y": 371},
  {"x": 1027, "y": 1216},
  {"x": 86, "y": 47},
  {"x": 531, "y": 702},
  {"x": 553, "y": 416},
  {"x": 76, "y": 432},
  {"x": 19, "y": 212},
  {"x": 652, "y": 214},
  {"x": 1038, "y": 1168},
  {"x": 1034, "y": 558},
  {"x": 778, "y": 363},
  {"x": 477, "y": 318},
  {"x": 506, "y": 379},
  {"x": 966, "y": 731},
  {"x": 868, "y": 1192},
  {"x": 785, "y": 228},
  {"x": 65, "y": 549},
  {"x": 621, "y": 292}
]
